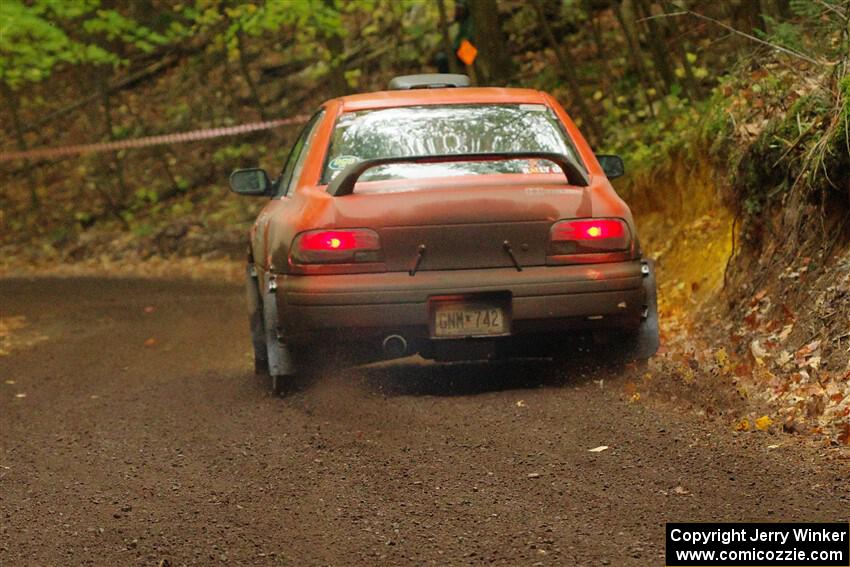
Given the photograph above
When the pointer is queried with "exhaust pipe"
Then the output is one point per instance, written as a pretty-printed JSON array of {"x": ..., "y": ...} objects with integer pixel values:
[{"x": 395, "y": 346}]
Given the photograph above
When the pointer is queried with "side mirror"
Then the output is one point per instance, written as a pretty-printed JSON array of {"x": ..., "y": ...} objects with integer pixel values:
[
  {"x": 612, "y": 166},
  {"x": 252, "y": 181}
]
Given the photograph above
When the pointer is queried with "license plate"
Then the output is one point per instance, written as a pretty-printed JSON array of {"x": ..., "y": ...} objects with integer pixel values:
[{"x": 464, "y": 320}]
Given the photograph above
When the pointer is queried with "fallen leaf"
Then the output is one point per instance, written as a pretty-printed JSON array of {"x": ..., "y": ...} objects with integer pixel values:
[
  {"x": 816, "y": 405},
  {"x": 150, "y": 309},
  {"x": 743, "y": 370},
  {"x": 743, "y": 425},
  {"x": 808, "y": 349},
  {"x": 784, "y": 358},
  {"x": 151, "y": 342},
  {"x": 681, "y": 490},
  {"x": 763, "y": 423},
  {"x": 533, "y": 475},
  {"x": 758, "y": 352},
  {"x": 844, "y": 437},
  {"x": 599, "y": 449},
  {"x": 722, "y": 357},
  {"x": 20, "y": 395},
  {"x": 773, "y": 446},
  {"x": 10, "y": 382}
]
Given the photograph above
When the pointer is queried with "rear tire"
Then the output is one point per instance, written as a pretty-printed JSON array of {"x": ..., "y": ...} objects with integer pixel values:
[
  {"x": 281, "y": 385},
  {"x": 255, "y": 321},
  {"x": 618, "y": 347},
  {"x": 272, "y": 356},
  {"x": 642, "y": 343}
]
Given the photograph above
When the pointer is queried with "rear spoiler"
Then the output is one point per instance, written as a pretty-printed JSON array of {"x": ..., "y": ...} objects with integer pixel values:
[{"x": 344, "y": 182}]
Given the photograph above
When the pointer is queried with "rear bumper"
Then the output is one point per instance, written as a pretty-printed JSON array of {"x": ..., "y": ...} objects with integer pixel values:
[{"x": 542, "y": 298}]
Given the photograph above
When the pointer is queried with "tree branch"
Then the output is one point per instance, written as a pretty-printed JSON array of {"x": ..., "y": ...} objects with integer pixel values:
[{"x": 785, "y": 50}]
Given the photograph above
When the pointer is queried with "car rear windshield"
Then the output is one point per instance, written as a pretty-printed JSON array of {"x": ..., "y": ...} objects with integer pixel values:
[{"x": 451, "y": 129}]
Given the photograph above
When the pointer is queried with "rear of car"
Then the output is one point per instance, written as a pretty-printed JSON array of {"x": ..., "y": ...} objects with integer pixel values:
[{"x": 456, "y": 225}]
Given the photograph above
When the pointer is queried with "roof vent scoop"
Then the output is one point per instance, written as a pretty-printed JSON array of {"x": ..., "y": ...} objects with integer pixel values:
[{"x": 428, "y": 81}]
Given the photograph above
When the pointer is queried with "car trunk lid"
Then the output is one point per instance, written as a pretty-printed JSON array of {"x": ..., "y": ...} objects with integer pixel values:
[{"x": 465, "y": 228}]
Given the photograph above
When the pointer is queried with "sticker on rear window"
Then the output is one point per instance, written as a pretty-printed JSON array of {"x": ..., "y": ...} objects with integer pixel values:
[
  {"x": 533, "y": 107},
  {"x": 541, "y": 191},
  {"x": 539, "y": 166},
  {"x": 341, "y": 162}
]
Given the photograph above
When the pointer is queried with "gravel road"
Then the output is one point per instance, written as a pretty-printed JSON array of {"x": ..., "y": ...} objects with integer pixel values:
[{"x": 142, "y": 435}]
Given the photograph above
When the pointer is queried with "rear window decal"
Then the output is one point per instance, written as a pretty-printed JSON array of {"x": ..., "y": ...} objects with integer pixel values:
[{"x": 341, "y": 162}]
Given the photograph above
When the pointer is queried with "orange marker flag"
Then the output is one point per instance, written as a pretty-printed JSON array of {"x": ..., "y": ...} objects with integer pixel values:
[{"x": 467, "y": 52}]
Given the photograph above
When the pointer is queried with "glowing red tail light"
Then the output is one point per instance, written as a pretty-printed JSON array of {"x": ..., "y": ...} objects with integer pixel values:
[
  {"x": 589, "y": 235},
  {"x": 336, "y": 246},
  {"x": 329, "y": 240}
]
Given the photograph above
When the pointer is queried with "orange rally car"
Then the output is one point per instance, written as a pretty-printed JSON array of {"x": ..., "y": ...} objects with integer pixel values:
[{"x": 454, "y": 222}]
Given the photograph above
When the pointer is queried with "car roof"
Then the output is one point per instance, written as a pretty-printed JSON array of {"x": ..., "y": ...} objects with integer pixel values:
[{"x": 420, "y": 97}]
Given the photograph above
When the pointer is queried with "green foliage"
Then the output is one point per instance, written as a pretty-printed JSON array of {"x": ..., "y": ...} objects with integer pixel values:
[
  {"x": 141, "y": 229},
  {"x": 820, "y": 20},
  {"x": 181, "y": 208},
  {"x": 643, "y": 141},
  {"x": 37, "y": 36},
  {"x": 786, "y": 34},
  {"x": 811, "y": 9},
  {"x": 144, "y": 196},
  {"x": 112, "y": 25},
  {"x": 226, "y": 22},
  {"x": 236, "y": 153},
  {"x": 33, "y": 42},
  {"x": 844, "y": 89}
]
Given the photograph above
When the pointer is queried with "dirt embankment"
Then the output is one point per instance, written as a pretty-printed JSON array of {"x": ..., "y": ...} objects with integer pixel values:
[{"x": 755, "y": 308}]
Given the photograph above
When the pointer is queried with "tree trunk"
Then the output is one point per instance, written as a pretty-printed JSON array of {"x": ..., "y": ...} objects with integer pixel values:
[
  {"x": 566, "y": 67},
  {"x": 20, "y": 139},
  {"x": 747, "y": 16},
  {"x": 493, "y": 62},
  {"x": 597, "y": 38},
  {"x": 778, "y": 10},
  {"x": 336, "y": 47},
  {"x": 246, "y": 74},
  {"x": 690, "y": 82},
  {"x": 657, "y": 47},
  {"x": 117, "y": 164},
  {"x": 447, "y": 40},
  {"x": 162, "y": 154},
  {"x": 633, "y": 49}
]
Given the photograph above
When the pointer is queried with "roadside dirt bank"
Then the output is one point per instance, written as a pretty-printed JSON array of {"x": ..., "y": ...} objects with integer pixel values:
[{"x": 754, "y": 329}]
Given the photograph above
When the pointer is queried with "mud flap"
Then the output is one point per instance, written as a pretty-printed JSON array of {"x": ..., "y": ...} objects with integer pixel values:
[
  {"x": 255, "y": 320},
  {"x": 279, "y": 355},
  {"x": 646, "y": 340}
]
